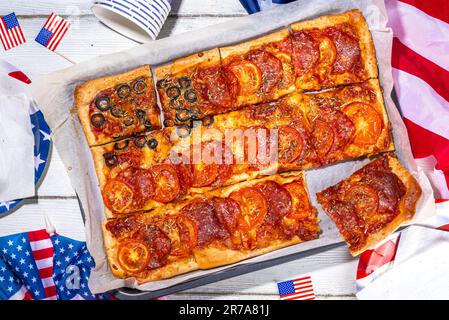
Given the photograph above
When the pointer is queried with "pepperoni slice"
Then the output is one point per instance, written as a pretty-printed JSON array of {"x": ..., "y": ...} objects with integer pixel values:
[
  {"x": 278, "y": 199},
  {"x": 306, "y": 52},
  {"x": 367, "y": 121},
  {"x": 166, "y": 182},
  {"x": 141, "y": 181},
  {"x": 215, "y": 86},
  {"x": 213, "y": 171},
  {"x": 348, "y": 51},
  {"x": 248, "y": 74},
  {"x": 290, "y": 144},
  {"x": 323, "y": 137},
  {"x": 363, "y": 197},
  {"x": 204, "y": 174},
  {"x": 185, "y": 177},
  {"x": 228, "y": 212},
  {"x": 300, "y": 201},
  {"x": 117, "y": 196},
  {"x": 269, "y": 66},
  {"x": 157, "y": 241},
  {"x": 202, "y": 214},
  {"x": 133, "y": 256},
  {"x": 183, "y": 233},
  {"x": 253, "y": 207}
]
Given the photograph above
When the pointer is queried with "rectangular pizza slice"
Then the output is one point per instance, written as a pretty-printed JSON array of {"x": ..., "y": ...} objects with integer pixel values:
[
  {"x": 214, "y": 229},
  {"x": 117, "y": 106},
  {"x": 372, "y": 203},
  {"x": 194, "y": 87},
  {"x": 261, "y": 68},
  {"x": 333, "y": 50}
]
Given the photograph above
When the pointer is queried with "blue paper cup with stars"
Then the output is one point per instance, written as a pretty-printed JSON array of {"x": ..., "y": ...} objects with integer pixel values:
[{"x": 140, "y": 20}]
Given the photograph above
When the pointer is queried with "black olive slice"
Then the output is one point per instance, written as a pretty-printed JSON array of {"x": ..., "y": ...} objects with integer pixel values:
[
  {"x": 190, "y": 96},
  {"x": 139, "y": 86},
  {"x": 175, "y": 104},
  {"x": 103, "y": 103},
  {"x": 140, "y": 114},
  {"x": 147, "y": 124},
  {"x": 128, "y": 121},
  {"x": 140, "y": 141},
  {"x": 123, "y": 91},
  {"x": 207, "y": 120},
  {"x": 117, "y": 111},
  {"x": 183, "y": 130},
  {"x": 152, "y": 143},
  {"x": 111, "y": 159},
  {"x": 97, "y": 120},
  {"x": 173, "y": 92},
  {"x": 183, "y": 115},
  {"x": 121, "y": 145},
  {"x": 184, "y": 82},
  {"x": 161, "y": 83},
  {"x": 168, "y": 123},
  {"x": 195, "y": 113}
]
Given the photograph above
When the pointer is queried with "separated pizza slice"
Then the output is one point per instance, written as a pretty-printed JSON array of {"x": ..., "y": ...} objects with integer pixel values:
[
  {"x": 117, "y": 106},
  {"x": 218, "y": 228},
  {"x": 193, "y": 87},
  {"x": 262, "y": 68},
  {"x": 372, "y": 203},
  {"x": 333, "y": 50},
  {"x": 349, "y": 122}
]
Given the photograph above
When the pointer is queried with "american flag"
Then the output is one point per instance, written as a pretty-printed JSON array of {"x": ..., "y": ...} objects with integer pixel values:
[
  {"x": 52, "y": 32},
  {"x": 39, "y": 266},
  {"x": 297, "y": 289},
  {"x": 11, "y": 33}
]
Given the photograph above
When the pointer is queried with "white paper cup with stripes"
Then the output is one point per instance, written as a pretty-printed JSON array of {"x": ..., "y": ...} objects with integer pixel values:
[{"x": 140, "y": 20}]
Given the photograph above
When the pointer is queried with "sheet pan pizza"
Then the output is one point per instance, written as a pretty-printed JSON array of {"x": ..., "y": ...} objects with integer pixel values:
[
  {"x": 372, "y": 203},
  {"x": 221, "y": 178},
  {"x": 311, "y": 131},
  {"x": 217, "y": 228}
]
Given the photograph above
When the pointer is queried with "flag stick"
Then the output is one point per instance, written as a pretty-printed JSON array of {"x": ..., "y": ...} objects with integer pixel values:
[{"x": 65, "y": 57}]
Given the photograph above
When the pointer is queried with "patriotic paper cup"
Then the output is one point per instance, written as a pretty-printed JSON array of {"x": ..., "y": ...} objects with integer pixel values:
[{"x": 140, "y": 20}]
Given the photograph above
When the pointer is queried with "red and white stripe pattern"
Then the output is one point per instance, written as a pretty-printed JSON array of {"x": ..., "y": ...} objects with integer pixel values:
[
  {"x": 13, "y": 72},
  {"x": 11, "y": 34},
  {"x": 420, "y": 61},
  {"x": 42, "y": 248},
  {"x": 297, "y": 289},
  {"x": 57, "y": 28}
]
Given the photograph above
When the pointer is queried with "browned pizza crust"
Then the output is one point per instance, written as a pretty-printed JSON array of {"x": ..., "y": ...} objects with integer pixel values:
[{"x": 86, "y": 93}]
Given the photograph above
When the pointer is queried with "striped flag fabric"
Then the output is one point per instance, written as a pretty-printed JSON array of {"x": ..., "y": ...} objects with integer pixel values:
[
  {"x": 11, "y": 34},
  {"x": 38, "y": 266},
  {"x": 52, "y": 32},
  {"x": 13, "y": 72},
  {"x": 420, "y": 62},
  {"x": 296, "y": 289}
]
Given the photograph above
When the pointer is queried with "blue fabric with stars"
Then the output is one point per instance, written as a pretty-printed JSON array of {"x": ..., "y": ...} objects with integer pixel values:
[
  {"x": 286, "y": 287},
  {"x": 72, "y": 265},
  {"x": 44, "y": 36},
  {"x": 11, "y": 21}
]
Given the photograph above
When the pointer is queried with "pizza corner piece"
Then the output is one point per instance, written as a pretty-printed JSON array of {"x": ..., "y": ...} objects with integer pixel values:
[
  {"x": 372, "y": 203},
  {"x": 333, "y": 50},
  {"x": 117, "y": 106},
  {"x": 214, "y": 229}
]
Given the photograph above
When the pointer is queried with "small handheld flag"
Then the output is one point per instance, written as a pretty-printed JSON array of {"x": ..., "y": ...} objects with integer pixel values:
[
  {"x": 11, "y": 34},
  {"x": 296, "y": 289},
  {"x": 52, "y": 32}
]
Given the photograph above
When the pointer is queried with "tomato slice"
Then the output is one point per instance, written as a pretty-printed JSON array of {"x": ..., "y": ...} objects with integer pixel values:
[
  {"x": 133, "y": 255},
  {"x": 183, "y": 233},
  {"x": 253, "y": 207},
  {"x": 248, "y": 74},
  {"x": 323, "y": 137},
  {"x": 212, "y": 166},
  {"x": 300, "y": 203},
  {"x": 117, "y": 196},
  {"x": 367, "y": 121},
  {"x": 204, "y": 174},
  {"x": 363, "y": 197},
  {"x": 290, "y": 144},
  {"x": 166, "y": 182}
]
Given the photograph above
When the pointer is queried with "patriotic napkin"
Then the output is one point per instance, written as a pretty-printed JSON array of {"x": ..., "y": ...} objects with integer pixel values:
[
  {"x": 16, "y": 136},
  {"x": 37, "y": 265}
]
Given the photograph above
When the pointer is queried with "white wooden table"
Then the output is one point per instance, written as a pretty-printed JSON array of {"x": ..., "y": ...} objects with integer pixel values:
[{"x": 333, "y": 272}]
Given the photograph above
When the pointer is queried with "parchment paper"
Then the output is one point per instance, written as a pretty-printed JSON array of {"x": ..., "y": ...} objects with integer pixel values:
[{"x": 54, "y": 95}]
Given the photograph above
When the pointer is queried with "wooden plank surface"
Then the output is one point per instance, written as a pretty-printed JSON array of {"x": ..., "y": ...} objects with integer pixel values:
[{"x": 333, "y": 272}]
